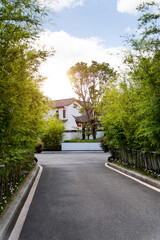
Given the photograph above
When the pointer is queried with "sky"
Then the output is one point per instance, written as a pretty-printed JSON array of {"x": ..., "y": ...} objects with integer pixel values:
[{"x": 84, "y": 30}]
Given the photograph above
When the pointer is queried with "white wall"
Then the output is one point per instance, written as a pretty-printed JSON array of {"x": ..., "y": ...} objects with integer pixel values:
[
  {"x": 71, "y": 135},
  {"x": 80, "y": 146},
  {"x": 70, "y": 112}
]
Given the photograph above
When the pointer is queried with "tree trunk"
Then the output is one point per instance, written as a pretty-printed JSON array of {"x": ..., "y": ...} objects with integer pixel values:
[
  {"x": 83, "y": 132},
  {"x": 94, "y": 132},
  {"x": 93, "y": 129}
]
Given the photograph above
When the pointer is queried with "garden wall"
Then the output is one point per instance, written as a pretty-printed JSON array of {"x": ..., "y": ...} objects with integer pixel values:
[
  {"x": 139, "y": 159},
  {"x": 67, "y": 135},
  {"x": 81, "y": 146}
]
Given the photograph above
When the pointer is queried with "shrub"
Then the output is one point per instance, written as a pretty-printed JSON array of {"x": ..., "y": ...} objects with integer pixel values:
[
  {"x": 39, "y": 147},
  {"x": 52, "y": 133},
  {"x": 82, "y": 140},
  {"x": 104, "y": 145}
]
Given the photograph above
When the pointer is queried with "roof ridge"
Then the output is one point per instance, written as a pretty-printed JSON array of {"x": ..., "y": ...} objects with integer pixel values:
[
  {"x": 63, "y": 102},
  {"x": 63, "y": 99}
]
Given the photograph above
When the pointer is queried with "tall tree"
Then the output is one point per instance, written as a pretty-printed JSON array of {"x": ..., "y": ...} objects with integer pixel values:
[{"x": 89, "y": 82}]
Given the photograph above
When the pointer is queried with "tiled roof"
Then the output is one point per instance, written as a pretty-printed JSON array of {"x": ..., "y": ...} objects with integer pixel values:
[
  {"x": 83, "y": 118},
  {"x": 63, "y": 102}
]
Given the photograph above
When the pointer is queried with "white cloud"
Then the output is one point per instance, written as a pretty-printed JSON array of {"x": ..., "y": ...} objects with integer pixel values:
[
  {"x": 129, "y": 6},
  {"x": 128, "y": 29},
  {"x": 69, "y": 51},
  {"x": 59, "y": 5}
]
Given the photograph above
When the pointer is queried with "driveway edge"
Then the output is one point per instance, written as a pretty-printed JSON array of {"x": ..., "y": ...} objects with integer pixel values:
[
  {"x": 143, "y": 178},
  {"x": 8, "y": 220}
]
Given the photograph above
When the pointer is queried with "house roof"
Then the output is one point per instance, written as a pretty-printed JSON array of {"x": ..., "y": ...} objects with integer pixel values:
[
  {"x": 83, "y": 118},
  {"x": 63, "y": 102}
]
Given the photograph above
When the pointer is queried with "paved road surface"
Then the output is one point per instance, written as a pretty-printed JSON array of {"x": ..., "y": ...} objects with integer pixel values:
[{"x": 78, "y": 198}]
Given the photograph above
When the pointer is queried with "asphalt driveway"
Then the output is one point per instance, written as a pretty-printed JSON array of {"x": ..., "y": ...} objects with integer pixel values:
[{"x": 78, "y": 198}]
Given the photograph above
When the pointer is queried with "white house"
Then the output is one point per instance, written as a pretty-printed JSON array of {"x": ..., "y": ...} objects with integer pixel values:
[
  {"x": 66, "y": 111},
  {"x": 71, "y": 118}
]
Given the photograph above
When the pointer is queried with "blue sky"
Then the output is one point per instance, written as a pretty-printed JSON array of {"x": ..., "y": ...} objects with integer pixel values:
[
  {"x": 84, "y": 30},
  {"x": 96, "y": 19}
]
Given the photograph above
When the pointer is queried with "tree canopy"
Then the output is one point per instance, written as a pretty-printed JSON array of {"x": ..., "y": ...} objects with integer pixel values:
[{"x": 89, "y": 82}]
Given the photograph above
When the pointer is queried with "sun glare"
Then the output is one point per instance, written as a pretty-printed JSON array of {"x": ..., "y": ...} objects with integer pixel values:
[{"x": 57, "y": 85}]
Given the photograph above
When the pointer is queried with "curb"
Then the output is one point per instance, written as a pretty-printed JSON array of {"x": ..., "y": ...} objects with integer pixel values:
[
  {"x": 8, "y": 220},
  {"x": 145, "y": 179}
]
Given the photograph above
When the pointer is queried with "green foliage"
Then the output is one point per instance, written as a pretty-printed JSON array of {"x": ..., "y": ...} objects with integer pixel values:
[
  {"x": 130, "y": 117},
  {"x": 39, "y": 147},
  {"x": 89, "y": 83},
  {"x": 52, "y": 132},
  {"x": 148, "y": 23},
  {"x": 81, "y": 140},
  {"x": 104, "y": 145},
  {"x": 12, "y": 175},
  {"x": 131, "y": 110},
  {"x": 22, "y": 104},
  {"x": 118, "y": 116}
]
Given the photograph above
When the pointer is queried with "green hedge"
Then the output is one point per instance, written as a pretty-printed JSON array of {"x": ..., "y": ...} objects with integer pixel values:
[{"x": 80, "y": 140}]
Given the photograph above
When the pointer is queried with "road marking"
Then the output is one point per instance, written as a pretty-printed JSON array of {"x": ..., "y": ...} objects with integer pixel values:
[
  {"x": 21, "y": 219},
  {"x": 133, "y": 178}
]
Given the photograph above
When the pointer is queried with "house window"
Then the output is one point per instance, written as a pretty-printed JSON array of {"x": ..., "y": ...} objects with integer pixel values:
[{"x": 64, "y": 113}]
